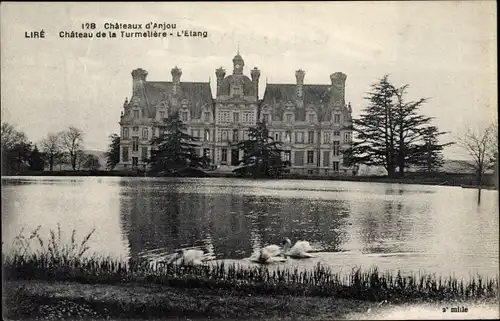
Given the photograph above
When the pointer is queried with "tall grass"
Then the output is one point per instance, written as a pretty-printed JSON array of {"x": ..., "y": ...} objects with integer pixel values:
[{"x": 53, "y": 261}]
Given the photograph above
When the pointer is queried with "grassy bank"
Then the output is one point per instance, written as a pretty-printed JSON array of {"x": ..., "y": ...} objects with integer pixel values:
[
  {"x": 58, "y": 300},
  {"x": 73, "y": 269}
]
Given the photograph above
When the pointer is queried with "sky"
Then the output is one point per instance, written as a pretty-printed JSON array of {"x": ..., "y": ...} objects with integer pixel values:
[{"x": 445, "y": 51}]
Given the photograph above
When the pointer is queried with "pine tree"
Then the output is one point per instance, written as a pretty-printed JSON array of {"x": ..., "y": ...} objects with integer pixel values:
[
  {"x": 392, "y": 133},
  {"x": 113, "y": 153},
  {"x": 174, "y": 150},
  {"x": 36, "y": 160},
  {"x": 261, "y": 153},
  {"x": 375, "y": 129},
  {"x": 431, "y": 157}
]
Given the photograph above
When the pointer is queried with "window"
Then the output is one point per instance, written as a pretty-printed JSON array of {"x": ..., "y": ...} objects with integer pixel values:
[
  {"x": 326, "y": 158},
  {"x": 248, "y": 118},
  {"x": 135, "y": 144},
  {"x": 125, "y": 153},
  {"x": 311, "y": 118},
  {"x": 299, "y": 137},
  {"x": 336, "y": 148},
  {"x": 235, "y": 135},
  {"x": 144, "y": 153},
  {"x": 135, "y": 129},
  {"x": 288, "y": 136},
  {"x": 310, "y": 157},
  {"x": 289, "y": 118},
  {"x": 195, "y": 133},
  {"x": 310, "y": 137},
  {"x": 326, "y": 138},
  {"x": 347, "y": 137},
  {"x": 184, "y": 116},
  {"x": 224, "y": 136},
  {"x": 237, "y": 90},
  {"x": 276, "y": 136},
  {"x": 136, "y": 114},
  {"x": 265, "y": 118},
  {"x": 206, "y": 116},
  {"x": 336, "y": 166},
  {"x": 135, "y": 161},
  {"x": 206, "y": 152},
  {"x": 145, "y": 133},
  {"x": 336, "y": 118},
  {"x": 207, "y": 135},
  {"x": 125, "y": 132},
  {"x": 236, "y": 117},
  {"x": 162, "y": 115},
  {"x": 224, "y": 155},
  {"x": 287, "y": 156},
  {"x": 336, "y": 133}
]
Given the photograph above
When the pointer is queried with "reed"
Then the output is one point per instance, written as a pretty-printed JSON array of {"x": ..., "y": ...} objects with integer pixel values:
[{"x": 71, "y": 262}]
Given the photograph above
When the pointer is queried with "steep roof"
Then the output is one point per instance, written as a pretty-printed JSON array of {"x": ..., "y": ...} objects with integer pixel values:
[
  {"x": 316, "y": 96},
  {"x": 248, "y": 87},
  {"x": 197, "y": 94}
]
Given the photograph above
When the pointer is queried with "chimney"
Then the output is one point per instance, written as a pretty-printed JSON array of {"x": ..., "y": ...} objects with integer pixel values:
[
  {"x": 176, "y": 80},
  {"x": 299, "y": 76},
  {"x": 255, "y": 73},
  {"x": 338, "y": 88},
  {"x": 219, "y": 73},
  {"x": 138, "y": 77}
]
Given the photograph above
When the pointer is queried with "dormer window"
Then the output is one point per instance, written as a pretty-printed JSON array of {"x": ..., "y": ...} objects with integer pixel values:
[
  {"x": 184, "y": 116},
  {"x": 288, "y": 118},
  {"x": 136, "y": 114},
  {"x": 311, "y": 118},
  {"x": 336, "y": 118},
  {"x": 162, "y": 115},
  {"x": 206, "y": 116},
  {"x": 237, "y": 90},
  {"x": 265, "y": 118}
]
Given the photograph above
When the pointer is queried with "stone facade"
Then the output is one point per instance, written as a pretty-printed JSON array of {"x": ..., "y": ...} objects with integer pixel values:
[{"x": 313, "y": 121}]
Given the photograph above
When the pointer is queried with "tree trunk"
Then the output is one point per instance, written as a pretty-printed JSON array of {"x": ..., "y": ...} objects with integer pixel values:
[
  {"x": 73, "y": 161},
  {"x": 51, "y": 162}
]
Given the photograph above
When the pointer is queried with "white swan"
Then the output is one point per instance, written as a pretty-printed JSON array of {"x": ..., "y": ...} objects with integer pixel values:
[
  {"x": 190, "y": 257},
  {"x": 268, "y": 254},
  {"x": 298, "y": 251}
]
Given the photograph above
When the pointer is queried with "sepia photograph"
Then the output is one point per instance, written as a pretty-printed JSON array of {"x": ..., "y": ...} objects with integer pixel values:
[{"x": 249, "y": 160}]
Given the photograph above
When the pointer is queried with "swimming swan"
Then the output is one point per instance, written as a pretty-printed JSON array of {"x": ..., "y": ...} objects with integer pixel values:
[
  {"x": 298, "y": 251},
  {"x": 190, "y": 257},
  {"x": 268, "y": 254}
]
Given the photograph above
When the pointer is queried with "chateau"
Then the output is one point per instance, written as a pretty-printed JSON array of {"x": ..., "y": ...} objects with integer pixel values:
[{"x": 313, "y": 121}]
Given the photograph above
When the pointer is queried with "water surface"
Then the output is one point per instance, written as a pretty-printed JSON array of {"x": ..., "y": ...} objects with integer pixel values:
[{"x": 393, "y": 226}]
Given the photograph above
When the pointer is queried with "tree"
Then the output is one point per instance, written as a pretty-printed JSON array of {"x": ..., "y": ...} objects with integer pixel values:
[
  {"x": 391, "y": 132},
  {"x": 174, "y": 150},
  {"x": 51, "y": 146},
  {"x": 91, "y": 162},
  {"x": 80, "y": 159},
  {"x": 482, "y": 146},
  {"x": 261, "y": 153},
  {"x": 36, "y": 160},
  {"x": 431, "y": 157},
  {"x": 113, "y": 153},
  {"x": 15, "y": 149},
  {"x": 61, "y": 158},
  {"x": 72, "y": 143}
]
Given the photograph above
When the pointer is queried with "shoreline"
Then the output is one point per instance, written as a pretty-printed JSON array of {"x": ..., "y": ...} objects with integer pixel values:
[
  {"x": 438, "y": 179},
  {"x": 30, "y": 299}
]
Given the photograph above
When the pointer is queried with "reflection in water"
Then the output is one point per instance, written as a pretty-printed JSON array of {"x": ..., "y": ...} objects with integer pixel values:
[{"x": 411, "y": 227}]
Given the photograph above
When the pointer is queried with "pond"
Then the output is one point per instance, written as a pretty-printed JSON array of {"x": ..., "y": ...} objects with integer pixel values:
[{"x": 413, "y": 228}]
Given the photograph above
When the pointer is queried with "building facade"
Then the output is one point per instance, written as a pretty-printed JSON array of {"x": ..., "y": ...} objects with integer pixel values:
[{"x": 313, "y": 121}]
